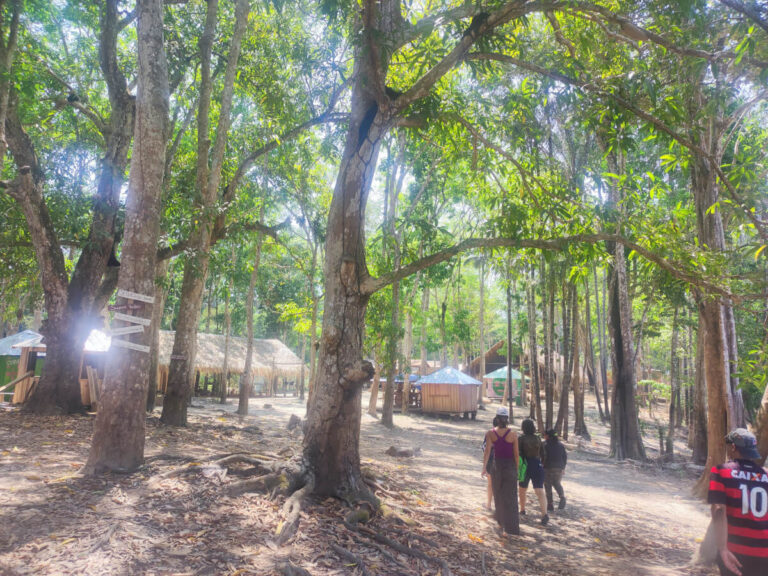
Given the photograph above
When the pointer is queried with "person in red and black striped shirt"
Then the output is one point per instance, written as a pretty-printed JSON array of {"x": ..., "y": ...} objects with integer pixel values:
[{"x": 738, "y": 493}]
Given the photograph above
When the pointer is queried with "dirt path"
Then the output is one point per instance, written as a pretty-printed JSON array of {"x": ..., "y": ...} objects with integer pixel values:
[{"x": 621, "y": 519}]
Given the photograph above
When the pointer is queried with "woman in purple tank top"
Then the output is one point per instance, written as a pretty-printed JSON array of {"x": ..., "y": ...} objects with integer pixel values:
[{"x": 503, "y": 472}]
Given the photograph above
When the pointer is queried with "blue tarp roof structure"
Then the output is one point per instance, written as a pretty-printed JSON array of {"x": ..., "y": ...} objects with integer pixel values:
[
  {"x": 501, "y": 374},
  {"x": 7, "y": 343},
  {"x": 448, "y": 376}
]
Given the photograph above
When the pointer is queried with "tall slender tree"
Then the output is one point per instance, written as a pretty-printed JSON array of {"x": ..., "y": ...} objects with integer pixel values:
[{"x": 118, "y": 436}]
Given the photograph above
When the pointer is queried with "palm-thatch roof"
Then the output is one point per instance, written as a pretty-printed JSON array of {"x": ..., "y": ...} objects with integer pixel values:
[{"x": 270, "y": 357}]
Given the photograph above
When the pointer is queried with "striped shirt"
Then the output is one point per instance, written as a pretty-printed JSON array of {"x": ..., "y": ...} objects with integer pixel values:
[{"x": 742, "y": 486}]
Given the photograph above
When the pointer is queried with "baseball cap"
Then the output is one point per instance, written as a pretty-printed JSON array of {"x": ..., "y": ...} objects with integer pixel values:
[
  {"x": 744, "y": 441},
  {"x": 502, "y": 411}
]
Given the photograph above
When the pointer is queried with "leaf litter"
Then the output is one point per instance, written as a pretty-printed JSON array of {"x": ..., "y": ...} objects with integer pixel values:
[{"x": 175, "y": 516}]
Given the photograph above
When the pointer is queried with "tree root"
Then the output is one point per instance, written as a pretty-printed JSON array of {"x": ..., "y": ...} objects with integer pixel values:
[
  {"x": 237, "y": 458},
  {"x": 260, "y": 465},
  {"x": 292, "y": 510},
  {"x": 349, "y": 557},
  {"x": 290, "y": 569},
  {"x": 376, "y": 487},
  {"x": 415, "y": 536},
  {"x": 263, "y": 483},
  {"x": 445, "y": 569},
  {"x": 384, "y": 552}
]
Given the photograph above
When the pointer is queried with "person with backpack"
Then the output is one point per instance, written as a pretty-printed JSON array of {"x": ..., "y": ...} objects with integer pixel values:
[
  {"x": 554, "y": 461},
  {"x": 531, "y": 451},
  {"x": 503, "y": 441}
]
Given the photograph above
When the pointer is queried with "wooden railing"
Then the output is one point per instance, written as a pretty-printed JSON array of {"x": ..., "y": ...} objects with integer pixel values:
[{"x": 20, "y": 382}]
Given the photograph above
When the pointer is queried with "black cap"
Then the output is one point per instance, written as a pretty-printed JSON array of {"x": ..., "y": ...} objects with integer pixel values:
[{"x": 745, "y": 442}]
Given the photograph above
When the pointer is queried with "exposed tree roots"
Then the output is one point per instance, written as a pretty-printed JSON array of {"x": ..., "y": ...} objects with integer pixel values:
[
  {"x": 349, "y": 557},
  {"x": 290, "y": 569},
  {"x": 292, "y": 510},
  {"x": 414, "y": 552}
]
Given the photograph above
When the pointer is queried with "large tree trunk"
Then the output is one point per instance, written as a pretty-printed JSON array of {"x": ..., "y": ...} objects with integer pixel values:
[
  {"x": 626, "y": 440},
  {"x": 118, "y": 435},
  {"x": 73, "y": 312},
  {"x": 181, "y": 369},
  {"x": 724, "y": 406},
  {"x": 716, "y": 376},
  {"x": 58, "y": 389},
  {"x": 331, "y": 441},
  {"x": 207, "y": 185}
]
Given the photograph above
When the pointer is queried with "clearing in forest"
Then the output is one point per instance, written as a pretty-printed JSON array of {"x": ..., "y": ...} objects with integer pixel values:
[{"x": 179, "y": 515}]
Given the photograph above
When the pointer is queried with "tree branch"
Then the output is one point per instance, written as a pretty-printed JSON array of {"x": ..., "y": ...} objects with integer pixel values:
[
  {"x": 86, "y": 111},
  {"x": 482, "y": 25},
  {"x": 371, "y": 284},
  {"x": 114, "y": 77},
  {"x": 247, "y": 163},
  {"x": 747, "y": 11},
  {"x": 426, "y": 25},
  {"x": 488, "y": 144},
  {"x": 222, "y": 232},
  {"x": 559, "y": 36},
  {"x": 759, "y": 225}
]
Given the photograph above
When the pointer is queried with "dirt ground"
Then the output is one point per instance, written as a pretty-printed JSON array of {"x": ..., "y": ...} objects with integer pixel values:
[{"x": 175, "y": 516}]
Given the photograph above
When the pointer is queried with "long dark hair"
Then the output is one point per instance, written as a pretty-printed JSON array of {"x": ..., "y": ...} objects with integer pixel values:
[
  {"x": 500, "y": 421},
  {"x": 528, "y": 426}
]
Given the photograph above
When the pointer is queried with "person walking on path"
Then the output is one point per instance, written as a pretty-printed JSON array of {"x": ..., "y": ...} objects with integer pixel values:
[
  {"x": 489, "y": 489},
  {"x": 554, "y": 461},
  {"x": 738, "y": 493},
  {"x": 531, "y": 451},
  {"x": 503, "y": 441}
]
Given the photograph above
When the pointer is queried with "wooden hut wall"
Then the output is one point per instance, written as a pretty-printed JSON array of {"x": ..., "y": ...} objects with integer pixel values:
[{"x": 449, "y": 398}]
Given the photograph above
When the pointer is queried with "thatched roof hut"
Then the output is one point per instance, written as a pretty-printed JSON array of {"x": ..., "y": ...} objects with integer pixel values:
[{"x": 270, "y": 357}]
